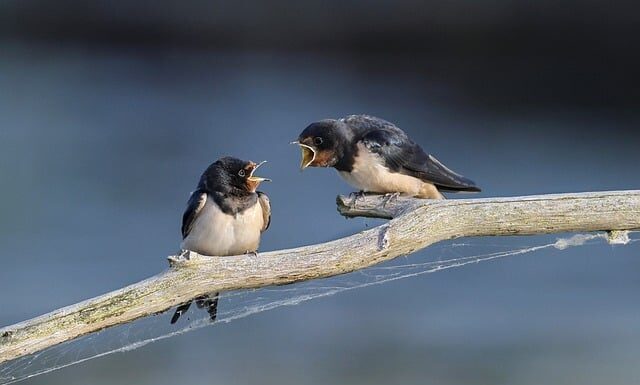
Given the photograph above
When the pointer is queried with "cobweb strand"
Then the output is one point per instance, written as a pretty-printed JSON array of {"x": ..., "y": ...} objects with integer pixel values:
[{"x": 240, "y": 304}]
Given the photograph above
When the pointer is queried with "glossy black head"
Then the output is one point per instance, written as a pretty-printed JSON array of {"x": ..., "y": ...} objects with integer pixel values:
[
  {"x": 323, "y": 143},
  {"x": 230, "y": 174}
]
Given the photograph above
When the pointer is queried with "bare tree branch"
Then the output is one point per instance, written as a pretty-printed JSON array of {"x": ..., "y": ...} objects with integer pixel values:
[{"x": 417, "y": 224}]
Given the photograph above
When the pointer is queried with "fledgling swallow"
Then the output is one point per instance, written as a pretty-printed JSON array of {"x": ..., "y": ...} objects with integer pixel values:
[
  {"x": 374, "y": 155},
  {"x": 225, "y": 215}
]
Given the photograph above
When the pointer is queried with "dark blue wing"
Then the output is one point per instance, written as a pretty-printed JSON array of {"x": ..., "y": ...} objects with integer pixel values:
[
  {"x": 265, "y": 205},
  {"x": 402, "y": 155},
  {"x": 195, "y": 204},
  {"x": 364, "y": 123}
]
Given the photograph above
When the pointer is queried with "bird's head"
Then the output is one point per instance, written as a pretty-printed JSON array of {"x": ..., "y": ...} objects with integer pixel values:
[
  {"x": 236, "y": 173},
  {"x": 321, "y": 143}
]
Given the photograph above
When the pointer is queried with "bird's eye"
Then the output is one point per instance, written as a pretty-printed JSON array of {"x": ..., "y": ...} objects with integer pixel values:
[
  {"x": 241, "y": 173},
  {"x": 317, "y": 140}
]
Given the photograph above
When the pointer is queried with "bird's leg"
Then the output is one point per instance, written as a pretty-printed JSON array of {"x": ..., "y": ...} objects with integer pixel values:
[
  {"x": 388, "y": 197},
  {"x": 182, "y": 255},
  {"x": 252, "y": 252},
  {"x": 359, "y": 195}
]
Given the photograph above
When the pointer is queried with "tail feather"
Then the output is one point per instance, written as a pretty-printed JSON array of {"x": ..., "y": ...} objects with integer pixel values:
[
  {"x": 210, "y": 302},
  {"x": 180, "y": 310},
  {"x": 469, "y": 187}
]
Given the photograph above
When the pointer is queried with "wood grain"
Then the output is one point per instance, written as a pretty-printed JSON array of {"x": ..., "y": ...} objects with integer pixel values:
[{"x": 416, "y": 225}]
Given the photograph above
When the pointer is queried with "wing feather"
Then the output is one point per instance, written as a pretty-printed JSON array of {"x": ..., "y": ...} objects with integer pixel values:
[
  {"x": 196, "y": 202},
  {"x": 265, "y": 204},
  {"x": 402, "y": 155}
]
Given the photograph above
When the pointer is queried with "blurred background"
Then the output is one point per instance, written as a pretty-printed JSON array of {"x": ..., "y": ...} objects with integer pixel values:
[{"x": 110, "y": 110}]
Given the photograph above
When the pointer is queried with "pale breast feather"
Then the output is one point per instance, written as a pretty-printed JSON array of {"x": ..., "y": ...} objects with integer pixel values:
[
  {"x": 217, "y": 233},
  {"x": 371, "y": 175}
]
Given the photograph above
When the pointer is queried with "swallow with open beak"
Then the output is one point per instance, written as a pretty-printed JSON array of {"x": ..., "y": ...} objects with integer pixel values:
[
  {"x": 374, "y": 155},
  {"x": 225, "y": 215}
]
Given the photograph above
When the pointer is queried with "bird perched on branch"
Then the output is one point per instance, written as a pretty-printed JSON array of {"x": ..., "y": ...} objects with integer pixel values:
[
  {"x": 225, "y": 216},
  {"x": 374, "y": 155}
]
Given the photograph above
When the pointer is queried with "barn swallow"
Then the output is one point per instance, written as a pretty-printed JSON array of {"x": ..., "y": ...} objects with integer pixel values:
[
  {"x": 374, "y": 155},
  {"x": 225, "y": 215}
]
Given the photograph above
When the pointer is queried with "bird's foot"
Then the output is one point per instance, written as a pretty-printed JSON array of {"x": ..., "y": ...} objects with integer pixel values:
[
  {"x": 356, "y": 196},
  {"x": 253, "y": 253},
  {"x": 389, "y": 197},
  {"x": 181, "y": 257},
  {"x": 185, "y": 254}
]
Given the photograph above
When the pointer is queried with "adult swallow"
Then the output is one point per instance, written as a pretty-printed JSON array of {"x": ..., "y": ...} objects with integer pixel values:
[
  {"x": 374, "y": 155},
  {"x": 225, "y": 215}
]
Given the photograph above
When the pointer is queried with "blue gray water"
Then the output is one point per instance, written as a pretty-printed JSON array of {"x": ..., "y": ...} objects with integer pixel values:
[{"x": 99, "y": 150}]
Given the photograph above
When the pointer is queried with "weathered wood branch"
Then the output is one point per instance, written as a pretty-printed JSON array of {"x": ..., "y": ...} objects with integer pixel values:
[{"x": 417, "y": 224}]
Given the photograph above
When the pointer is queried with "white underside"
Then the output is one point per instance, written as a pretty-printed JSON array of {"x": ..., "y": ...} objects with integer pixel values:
[
  {"x": 370, "y": 175},
  {"x": 217, "y": 233}
]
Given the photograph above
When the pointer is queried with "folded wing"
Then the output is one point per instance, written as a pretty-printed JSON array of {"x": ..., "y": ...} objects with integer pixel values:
[
  {"x": 265, "y": 204},
  {"x": 402, "y": 155},
  {"x": 194, "y": 207}
]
